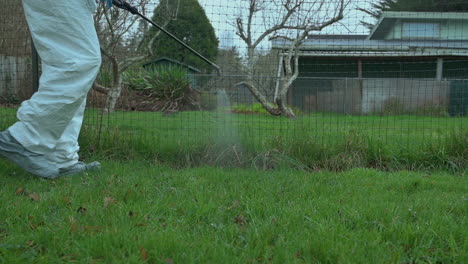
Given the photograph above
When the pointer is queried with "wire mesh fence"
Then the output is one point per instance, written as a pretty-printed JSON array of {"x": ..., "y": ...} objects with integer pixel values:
[
  {"x": 307, "y": 76},
  {"x": 15, "y": 54}
]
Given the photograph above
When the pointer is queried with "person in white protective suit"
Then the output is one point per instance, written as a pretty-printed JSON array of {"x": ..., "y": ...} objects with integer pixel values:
[{"x": 45, "y": 139}]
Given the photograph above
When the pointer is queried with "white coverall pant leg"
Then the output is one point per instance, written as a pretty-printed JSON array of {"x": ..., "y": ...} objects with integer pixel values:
[{"x": 66, "y": 40}]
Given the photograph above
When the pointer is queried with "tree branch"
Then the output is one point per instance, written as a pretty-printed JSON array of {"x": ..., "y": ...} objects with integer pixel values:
[
  {"x": 125, "y": 64},
  {"x": 282, "y": 24},
  {"x": 101, "y": 89}
]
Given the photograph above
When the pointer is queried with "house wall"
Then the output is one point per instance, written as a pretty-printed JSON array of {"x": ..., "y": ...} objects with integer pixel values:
[
  {"x": 408, "y": 84},
  {"x": 380, "y": 95},
  {"x": 368, "y": 96},
  {"x": 327, "y": 95},
  {"x": 395, "y": 32},
  {"x": 455, "y": 30}
]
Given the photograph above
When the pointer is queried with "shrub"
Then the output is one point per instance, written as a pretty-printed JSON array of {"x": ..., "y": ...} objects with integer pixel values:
[
  {"x": 169, "y": 85},
  {"x": 136, "y": 80}
]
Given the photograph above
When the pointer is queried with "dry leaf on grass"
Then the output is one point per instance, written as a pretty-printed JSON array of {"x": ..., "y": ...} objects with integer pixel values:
[
  {"x": 34, "y": 196},
  {"x": 234, "y": 205},
  {"x": 108, "y": 201},
  {"x": 20, "y": 191},
  {"x": 143, "y": 254},
  {"x": 240, "y": 220},
  {"x": 73, "y": 225}
]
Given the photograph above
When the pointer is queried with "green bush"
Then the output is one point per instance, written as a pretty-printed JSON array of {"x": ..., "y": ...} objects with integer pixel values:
[
  {"x": 169, "y": 85},
  {"x": 136, "y": 80},
  {"x": 158, "y": 81}
]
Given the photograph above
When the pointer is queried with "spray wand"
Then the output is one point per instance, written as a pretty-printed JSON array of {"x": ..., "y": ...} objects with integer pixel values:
[{"x": 126, "y": 6}]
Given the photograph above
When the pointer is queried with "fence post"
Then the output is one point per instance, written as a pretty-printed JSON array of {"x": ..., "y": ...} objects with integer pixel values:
[
  {"x": 344, "y": 96},
  {"x": 35, "y": 67}
]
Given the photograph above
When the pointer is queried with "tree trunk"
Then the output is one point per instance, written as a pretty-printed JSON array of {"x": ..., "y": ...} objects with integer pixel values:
[
  {"x": 287, "y": 80},
  {"x": 281, "y": 100},
  {"x": 253, "y": 89},
  {"x": 262, "y": 100},
  {"x": 112, "y": 97},
  {"x": 116, "y": 89}
]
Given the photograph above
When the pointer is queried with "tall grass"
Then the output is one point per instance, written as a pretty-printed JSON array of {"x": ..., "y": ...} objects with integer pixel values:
[
  {"x": 188, "y": 141},
  {"x": 312, "y": 142}
]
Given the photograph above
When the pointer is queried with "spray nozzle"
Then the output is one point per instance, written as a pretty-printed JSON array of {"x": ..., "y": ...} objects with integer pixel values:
[{"x": 126, "y": 6}]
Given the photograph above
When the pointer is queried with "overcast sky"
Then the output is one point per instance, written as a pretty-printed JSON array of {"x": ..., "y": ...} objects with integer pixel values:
[{"x": 222, "y": 14}]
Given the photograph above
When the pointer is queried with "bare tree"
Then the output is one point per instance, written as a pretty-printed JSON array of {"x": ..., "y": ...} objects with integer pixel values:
[
  {"x": 116, "y": 30},
  {"x": 295, "y": 21}
]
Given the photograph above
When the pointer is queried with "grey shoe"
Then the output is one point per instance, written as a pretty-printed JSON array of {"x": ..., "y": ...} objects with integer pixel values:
[
  {"x": 32, "y": 162},
  {"x": 79, "y": 168}
]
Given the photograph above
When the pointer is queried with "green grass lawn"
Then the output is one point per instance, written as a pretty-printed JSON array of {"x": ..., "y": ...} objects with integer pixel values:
[
  {"x": 141, "y": 213},
  {"x": 326, "y": 127},
  {"x": 141, "y": 209},
  {"x": 252, "y": 129},
  {"x": 314, "y": 141},
  {"x": 317, "y": 140}
]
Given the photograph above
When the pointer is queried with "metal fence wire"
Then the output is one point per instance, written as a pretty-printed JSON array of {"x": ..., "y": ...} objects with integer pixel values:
[{"x": 294, "y": 72}]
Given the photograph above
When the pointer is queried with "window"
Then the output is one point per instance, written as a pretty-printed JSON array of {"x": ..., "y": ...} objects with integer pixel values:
[
  {"x": 421, "y": 30},
  {"x": 400, "y": 68}
]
